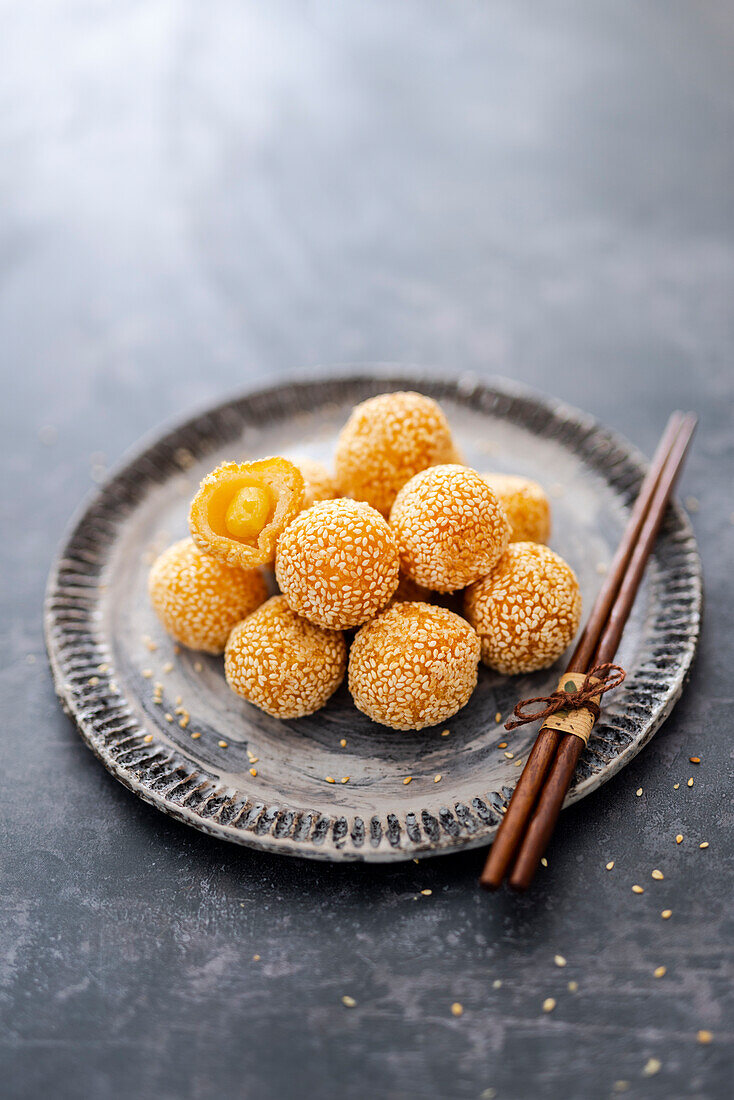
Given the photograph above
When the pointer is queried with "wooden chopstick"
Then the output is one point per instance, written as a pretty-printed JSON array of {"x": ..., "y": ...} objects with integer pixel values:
[
  {"x": 551, "y": 799},
  {"x": 544, "y": 750}
]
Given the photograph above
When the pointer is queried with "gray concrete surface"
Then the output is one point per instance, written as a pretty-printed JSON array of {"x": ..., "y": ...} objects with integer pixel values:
[{"x": 197, "y": 197}]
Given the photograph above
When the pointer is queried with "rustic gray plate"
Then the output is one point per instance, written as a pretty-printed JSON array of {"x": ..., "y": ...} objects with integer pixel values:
[{"x": 98, "y": 619}]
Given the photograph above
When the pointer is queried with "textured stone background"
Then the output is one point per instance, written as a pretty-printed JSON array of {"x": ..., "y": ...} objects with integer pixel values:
[{"x": 198, "y": 197}]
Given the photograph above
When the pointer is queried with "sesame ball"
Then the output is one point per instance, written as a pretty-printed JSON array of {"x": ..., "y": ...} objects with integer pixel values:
[
  {"x": 198, "y": 598},
  {"x": 526, "y": 506},
  {"x": 449, "y": 527},
  {"x": 241, "y": 509},
  {"x": 527, "y": 610},
  {"x": 283, "y": 664},
  {"x": 413, "y": 666},
  {"x": 337, "y": 563},
  {"x": 319, "y": 484},
  {"x": 386, "y": 440}
]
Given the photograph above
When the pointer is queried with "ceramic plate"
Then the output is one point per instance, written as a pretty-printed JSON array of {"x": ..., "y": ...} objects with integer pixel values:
[{"x": 107, "y": 649}]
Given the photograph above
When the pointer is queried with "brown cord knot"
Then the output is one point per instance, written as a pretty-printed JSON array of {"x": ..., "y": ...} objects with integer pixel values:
[{"x": 596, "y": 683}]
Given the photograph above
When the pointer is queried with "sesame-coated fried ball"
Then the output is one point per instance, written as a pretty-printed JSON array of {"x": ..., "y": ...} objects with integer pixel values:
[
  {"x": 337, "y": 563},
  {"x": 527, "y": 610},
  {"x": 386, "y": 440},
  {"x": 413, "y": 666},
  {"x": 283, "y": 664},
  {"x": 198, "y": 598},
  {"x": 241, "y": 509},
  {"x": 319, "y": 484},
  {"x": 449, "y": 527},
  {"x": 526, "y": 506}
]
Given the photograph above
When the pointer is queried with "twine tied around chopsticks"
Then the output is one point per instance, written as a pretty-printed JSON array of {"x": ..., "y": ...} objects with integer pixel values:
[{"x": 583, "y": 697}]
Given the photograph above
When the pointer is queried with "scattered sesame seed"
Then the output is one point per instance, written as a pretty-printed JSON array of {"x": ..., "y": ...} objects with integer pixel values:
[
  {"x": 690, "y": 782},
  {"x": 517, "y": 764},
  {"x": 559, "y": 960},
  {"x": 437, "y": 778},
  {"x": 330, "y": 779},
  {"x": 679, "y": 838},
  {"x": 426, "y": 893},
  {"x": 704, "y": 1036},
  {"x": 345, "y": 779},
  {"x": 195, "y": 736},
  {"x": 408, "y": 779},
  {"x": 150, "y": 645},
  {"x": 183, "y": 722},
  {"x": 253, "y": 772},
  {"x": 621, "y": 1086},
  {"x": 169, "y": 717},
  {"x": 704, "y": 844},
  {"x": 168, "y": 666},
  {"x": 102, "y": 668},
  {"x": 256, "y": 958},
  {"x": 676, "y": 786},
  {"x": 637, "y": 890},
  {"x": 573, "y": 986},
  {"x": 457, "y": 1009},
  {"x": 147, "y": 673},
  {"x": 348, "y": 1002},
  {"x": 198, "y": 666},
  {"x": 343, "y": 742},
  {"x": 544, "y": 861},
  {"x": 498, "y": 717},
  {"x": 652, "y": 1067},
  {"x": 497, "y": 983},
  {"x": 657, "y": 874},
  {"x": 509, "y": 755},
  {"x": 222, "y": 744},
  {"x": 659, "y": 972},
  {"x": 638, "y": 792},
  {"x": 610, "y": 864},
  {"x": 666, "y": 914},
  {"x": 692, "y": 504},
  {"x": 549, "y": 1004},
  {"x": 148, "y": 738},
  {"x": 93, "y": 680},
  {"x": 502, "y": 745},
  {"x": 694, "y": 759},
  {"x": 445, "y": 733}
]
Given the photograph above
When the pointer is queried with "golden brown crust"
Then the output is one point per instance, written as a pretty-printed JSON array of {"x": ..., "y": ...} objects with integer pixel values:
[
  {"x": 525, "y": 504},
  {"x": 387, "y": 440},
  {"x": 449, "y": 527},
  {"x": 337, "y": 563},
  {"x": 413, "y": 666},
  {"x": 277, "y": 477},
  {"x": 283, "y": 664},
  {"x": 199, "y": 599},
  {"x": 526, "y": 611}
]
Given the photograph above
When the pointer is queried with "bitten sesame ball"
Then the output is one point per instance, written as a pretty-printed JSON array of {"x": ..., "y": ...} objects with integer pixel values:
[
  {"x": 526, "y": 506},
  {"x": 449, "y": 527},
  {"x": 199, "y": 599},
  {"x": 413, "y": 666},
  {"x": 386, "y": 440},
  {"x": 337, "y": 563},
  {"x": 526, "y": 611},
  {"x": 283, "y": 664},
  {"x": 319, "y": 484},
  {"x": 241, "y": 509}
]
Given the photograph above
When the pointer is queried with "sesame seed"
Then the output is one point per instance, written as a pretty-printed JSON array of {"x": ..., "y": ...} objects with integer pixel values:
[
  {"x": 498, "y": 717},
  {"x": 690, "y": 782},
  {"x": 676, "y": 786},
  {"x": 679, "y": 838},
  {"x": 666, "y": 914},
  {"x": 147, "y": 673},
  {"x": 169, "y": 717},
  {"x": 198, "y": 666},
  {"x": 348, "y": 1002},
  {"x": 343, "y": 742},
  {"x": 222, "y": 744},
  {"x": 659, "y": 972},
  {"x": 652, "y": 1066},
  {"x": 253, "y": 772},
  {"x": 695, "y": 759},
  {"x": 497, "y": 983},
  {"x": 345, "y": 779},
  {"x": 657, "y": 874},
  {"x": 408, "y": 779},
  {"x": 502, "y": 745},
  {"x": 426, "y": 893},
  {"x": 330, "y": 779},
  {"x": 509, "y": 755},
  {"x": 457, "y": 1009},
  {"x": 704, "y": 1036},
  {"x": 256, "y": 958},
  {"x": 445, "y": 733},
  {"x": 168, "y": 666},
  {"x": 195, "y": 736},
  {"x": 437, "y": 778},
  {"x": 704, "y": 844},
  {"x": 148, "y": 738},
  {"x": 549, "y": 1004},
  {"x": 573, "y": 986},
  {"x": 610, "y": 864},
  {"x": 559, "y": 960},
  {"x": 544, "y": 861},
  {"x": 93, "y": 680},
  {"x": 638, "y": 792},
  {"x": 637, "y": 890}
]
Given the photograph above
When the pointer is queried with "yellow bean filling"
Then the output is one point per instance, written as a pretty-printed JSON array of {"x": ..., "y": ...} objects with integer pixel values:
[{"x": 248, "y": 512}]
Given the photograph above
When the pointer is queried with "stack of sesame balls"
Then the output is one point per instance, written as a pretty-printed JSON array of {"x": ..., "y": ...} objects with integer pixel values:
[{"x": 397, "y": 532}]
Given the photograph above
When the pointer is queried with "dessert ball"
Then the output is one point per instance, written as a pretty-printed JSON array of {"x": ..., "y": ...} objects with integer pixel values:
[
  {"x": 527, "y": 610},
  {"x": 337, "y": 563},
  {"x": 198, "y": 598},
  {"x": 386, "y": 440},
  {"x": 283, "y": 664},
  {"x": 449, "y": 527},
  {"x": 319, "y": 484},
  {"x": 241, "y": 509},
  {"x": 413, "y": 666},
  {"x": 525, "y": 504}
]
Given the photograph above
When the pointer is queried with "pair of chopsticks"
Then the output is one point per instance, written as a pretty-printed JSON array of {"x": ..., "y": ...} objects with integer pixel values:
[{"x": 533, "y": 810}]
